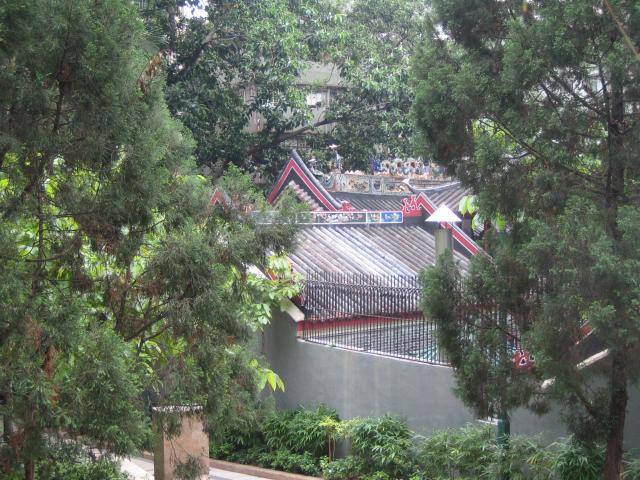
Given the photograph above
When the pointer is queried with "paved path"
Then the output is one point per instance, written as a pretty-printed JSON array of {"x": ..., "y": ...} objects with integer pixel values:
[{"x": 142, "y": 469}]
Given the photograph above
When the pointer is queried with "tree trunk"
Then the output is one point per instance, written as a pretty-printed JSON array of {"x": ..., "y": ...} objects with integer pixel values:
[
  {"x": 614, "y": 197},
  {"x": 617, "y": 413},
  {"x": 30, "y": 470},
  {"x": 6, "y": 428}
]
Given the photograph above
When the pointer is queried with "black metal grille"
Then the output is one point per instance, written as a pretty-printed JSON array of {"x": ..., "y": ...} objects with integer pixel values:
[
  {"x": 382, "y": 315},
  {"x": 375, "y": 314}
]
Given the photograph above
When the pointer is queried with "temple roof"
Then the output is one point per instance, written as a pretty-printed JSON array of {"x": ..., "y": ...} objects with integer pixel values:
[
  {"x": 297, "y": 174},
  {"x": 448, "y": 194},
  {"x": 363, "y": 192},
  {"x": 380, "y": 250},
  {"x": 371, "y": 201},
  {"x": 369, "y": 224}
]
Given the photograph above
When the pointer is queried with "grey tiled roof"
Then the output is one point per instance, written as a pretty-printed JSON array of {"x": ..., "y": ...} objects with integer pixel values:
[
  {"x": 375, "y": 250},
  {"x": 449, "y": 194},
  {"x": 371, "y": 201}
]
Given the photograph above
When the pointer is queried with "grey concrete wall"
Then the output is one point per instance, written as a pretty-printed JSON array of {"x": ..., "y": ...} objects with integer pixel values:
[
  {"x": 361, "y": 384},
  {"x": 358, "y": 384}
]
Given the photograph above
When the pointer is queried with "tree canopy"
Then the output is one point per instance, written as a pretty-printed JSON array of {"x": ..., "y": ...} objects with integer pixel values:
[
  {"x": 241, "y": 59},
  {"x": 535, "y": 106},
  {"x": 120, "y": 284}
]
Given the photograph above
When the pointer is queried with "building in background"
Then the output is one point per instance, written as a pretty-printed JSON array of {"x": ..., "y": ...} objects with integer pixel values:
[{"x": 321, "y": 82}]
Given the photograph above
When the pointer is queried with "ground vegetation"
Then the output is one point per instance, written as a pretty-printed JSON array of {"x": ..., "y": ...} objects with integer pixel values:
[{"x": 384, "y": 448}]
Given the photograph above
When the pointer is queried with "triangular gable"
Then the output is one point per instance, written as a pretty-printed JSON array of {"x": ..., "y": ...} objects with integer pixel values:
[
  {"x": 412, "y": 206},
  {"x": 218, "y": 198},
  {"x": 297, "y": 172}
]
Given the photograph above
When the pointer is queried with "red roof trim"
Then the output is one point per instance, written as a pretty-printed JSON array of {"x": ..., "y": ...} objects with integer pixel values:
[
  {"x": 217, "y": 198},
  {"x": 458, "y": 234},
  {"x": 292, "y": 165}
]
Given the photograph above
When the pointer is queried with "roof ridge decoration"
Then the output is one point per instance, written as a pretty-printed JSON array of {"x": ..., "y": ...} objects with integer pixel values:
[
  {"x": 435, "y": 188},
  {"x": 297, "y": 171},
  {"x": 350, "y": 217}
]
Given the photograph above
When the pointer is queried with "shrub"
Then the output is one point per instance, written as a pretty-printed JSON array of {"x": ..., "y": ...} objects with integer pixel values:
[
  {"x": 249, "y": 456},
  {"x": 518, "y": 460},
  {"x": 571, "y": 461},
  {"x": 450, "y": 453},
  {"x": 301, "y": 430},
  {"x": 377, "y": 476},
  {"x": 472, "y": 452},
  {"x": 284, "y": 460},
  {"x": 384, "y": 443},
  {"x": 289, "y": 440},
  {"x": 85, "y": 470},
  {"x": 348, "y": 468},
  {"x": 385, "y": 449},
  {"x": 632, "y": 470},
  {"x": 241, "y": 436}
]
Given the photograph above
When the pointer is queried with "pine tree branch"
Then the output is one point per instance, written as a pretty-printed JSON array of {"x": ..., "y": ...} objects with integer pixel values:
[
  {"x": 161, "y": 316},
  {"x": 187, "y": 62},
  {"x": 540, "y": 156},
  {"x": 588, "y": 406},
  {"x": 623, "y": 31},
  {"x": 563, "y": 83}
]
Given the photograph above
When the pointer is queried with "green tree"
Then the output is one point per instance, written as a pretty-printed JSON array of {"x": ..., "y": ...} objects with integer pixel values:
[
  {"x": 372, "y": 47},
  {"x": 241, "y": 59},
  {"x": 119, "y": 285},
  {"x": 232, "y": 61},
  {"x": 535, "y": 106}
]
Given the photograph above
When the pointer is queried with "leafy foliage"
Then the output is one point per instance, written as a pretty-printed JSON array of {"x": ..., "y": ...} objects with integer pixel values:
[
  {"x": 119, "y": 282},
  {"x": 280, "y": 459},
  {"x": 384, "y": 443},
  {"x": 305, "y": 463},
  {"x": 348, "y": 468},
  {"x": 291, "y": 440},
  {"x": 244, "y": 60},
  {"x": 533, "y": 105},
  {"x": 450, "y": 453},
  {"x": 88, "y": 470},
  {"x": 299, "y": 430},
  {"x": 67, "y": 461},
  {"x": 384, "y": 448},
  {"x": 372, "y": 50}
]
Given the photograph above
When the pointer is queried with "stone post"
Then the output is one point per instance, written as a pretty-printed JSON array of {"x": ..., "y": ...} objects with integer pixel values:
[
  {"x": 444, "y": 241},
  {"x": 181, "y": 449}
]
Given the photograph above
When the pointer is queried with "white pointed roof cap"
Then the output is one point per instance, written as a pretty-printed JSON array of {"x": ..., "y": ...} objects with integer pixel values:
[{"x": 443, "y": 214}]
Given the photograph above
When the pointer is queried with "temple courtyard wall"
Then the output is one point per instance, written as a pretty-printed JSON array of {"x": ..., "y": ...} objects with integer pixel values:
[{"x": 359, "y": 384}]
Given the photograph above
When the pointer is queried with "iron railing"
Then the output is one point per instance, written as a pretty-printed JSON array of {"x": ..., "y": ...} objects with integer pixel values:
[
  {"x": 368, "y": 313},
  {"x": 382, "y": 315}
]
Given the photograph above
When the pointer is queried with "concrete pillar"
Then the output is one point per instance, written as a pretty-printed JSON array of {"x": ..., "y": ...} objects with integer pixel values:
[
  {"x": 444, "y": 241},
  {"x": 181, "y": 444}
]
